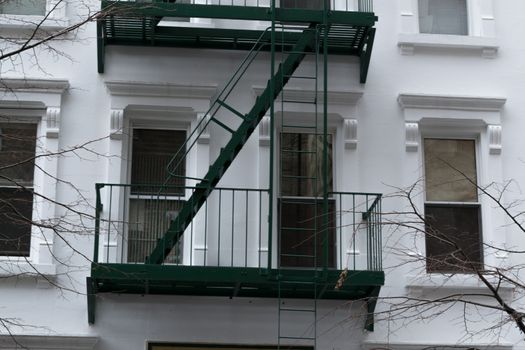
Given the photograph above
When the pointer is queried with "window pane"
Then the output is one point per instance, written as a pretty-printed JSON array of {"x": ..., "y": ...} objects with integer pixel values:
[
  {"x": 151, "y": 152},
  {"x": 450, "y": 170},
  {"x": 23, "y": 7},
  {"x": 149, "y": 221},
  {"x": 302, "y": 164},
  {"x": 453, "y": 237},
  {"x": 17, "y": 153},
  {"x": 16, "y": 210},
  {"x": 301, "y": 223},
  {"x": 443, "y": 17}
]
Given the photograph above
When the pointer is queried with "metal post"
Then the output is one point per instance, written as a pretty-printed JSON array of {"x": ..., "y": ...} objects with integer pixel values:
[
  {"x": 325, "y": 135},
  {"x": 272, "y": 145}
]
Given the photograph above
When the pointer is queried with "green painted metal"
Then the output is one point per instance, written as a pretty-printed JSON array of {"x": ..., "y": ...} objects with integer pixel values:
[
  {"x": 249, "y": 13},
  {"x": 91, "y": 299},
  {"x": 230, "y": 151},
  {"x": 224, "y": 281},
  {"x": 366, "y": 55},
  {"x": 371, "y": 303}
]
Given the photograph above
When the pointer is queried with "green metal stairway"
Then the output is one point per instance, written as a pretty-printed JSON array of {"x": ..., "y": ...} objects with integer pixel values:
[{"x": 239, "y": 137}]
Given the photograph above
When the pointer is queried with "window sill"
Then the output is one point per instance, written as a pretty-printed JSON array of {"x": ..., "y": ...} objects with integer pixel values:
[
  {"x": 466, "y": 283},
  {"x": 488, "y": 47},
  {"x": 20, "y": 267},
  {"x": 19, "y": 22}
]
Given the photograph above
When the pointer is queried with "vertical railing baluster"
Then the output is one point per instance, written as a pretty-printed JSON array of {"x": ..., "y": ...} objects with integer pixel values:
[
  {"x": 219, "y": 231},
  {"x": 205, "y": 248},
  {"x": 233, "y": 227},
  {"x": 109, "y": 222},
  {"x": 246, "y": 232}
]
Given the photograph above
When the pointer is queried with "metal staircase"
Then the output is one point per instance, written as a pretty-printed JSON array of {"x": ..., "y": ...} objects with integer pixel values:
[{"x": 239, "y": 137}]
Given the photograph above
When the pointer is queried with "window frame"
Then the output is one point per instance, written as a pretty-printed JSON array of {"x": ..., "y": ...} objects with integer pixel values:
[
  {"x": 470, "y": 29},
  {"x": 54, "y": 18},
  {"x": 455, "y": 136},
  {"x": 138, "y": 123},
  {"x": 332, "y": 131},
  {"x": 30, "y": 121}
]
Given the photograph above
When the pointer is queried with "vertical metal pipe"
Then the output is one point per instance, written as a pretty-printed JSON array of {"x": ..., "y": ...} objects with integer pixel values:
[{"x": 272, "y": 141}]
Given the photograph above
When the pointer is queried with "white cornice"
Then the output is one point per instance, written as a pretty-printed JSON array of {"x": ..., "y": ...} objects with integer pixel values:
[
  {"x": 135, "y": 88},
  {"x": 337, "y": 97},
  {"x": 470, "y": 103},
  {"x": 372, "y": 345},
  {"x": 43, "y": 342},
  {"x": 53, "y": 86}
]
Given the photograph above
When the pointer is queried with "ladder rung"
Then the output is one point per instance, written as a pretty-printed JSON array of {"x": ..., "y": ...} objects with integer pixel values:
[
  {"x": 299, "y": 127},
  {"x": 298, "y": 255},
  {"x": 300, "y": 77},
  {"x": 298, "y": 229},
  {"x": 221, "y": 124},
  {"x": 296, "y": 338},
  {"x": 302, "y": 102},
  {"x": 296, "y": 310},
  {"x": 231, "y": 109}
]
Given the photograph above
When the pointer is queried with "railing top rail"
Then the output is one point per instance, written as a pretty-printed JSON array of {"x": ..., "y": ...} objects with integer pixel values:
[{"x": 101, "y": 185}]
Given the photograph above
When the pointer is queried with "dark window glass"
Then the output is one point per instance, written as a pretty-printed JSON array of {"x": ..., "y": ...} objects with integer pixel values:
[
  {"x": 443, "y": 17},
  {"x": 152, "y": 150},
  {"x": 302, "y": 234},
  {"x": 16, "y": 210},
  {"x": 302, "y": 165},
  {"x": 453, "y": 238},
  {"x": 23, "y": 7},
  {"x": 152, "y": 205},
  {"x": 17, "y": 152}
]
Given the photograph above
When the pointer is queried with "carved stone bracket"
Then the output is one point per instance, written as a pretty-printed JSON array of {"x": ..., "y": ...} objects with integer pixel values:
[
  {"x": 350, "y": 133},
  {"x": 203, "y": 130},
  {"x": 412, "y": 136},
  {"x": 264, "y": 132},
  {"x": 494, "y": 132},
  {"x": 52, "y": 122},
  {"x": 116, "y": 124}
]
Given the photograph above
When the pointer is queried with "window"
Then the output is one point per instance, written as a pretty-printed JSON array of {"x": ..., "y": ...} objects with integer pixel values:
[
  {"x": 17, "y": 162},
  {"x": 452, "y": 210},
  {"x": 301, "y": 204},
  {"x": 23, "y": 7},
  {"x": 154, "y": 202},
  {"x": 443, "y": 17}
]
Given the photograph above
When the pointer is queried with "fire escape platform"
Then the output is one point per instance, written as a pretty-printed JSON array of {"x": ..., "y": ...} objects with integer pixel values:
[
  {"x": 165, "y": 24},
  {"x": 232, "y": 281}
]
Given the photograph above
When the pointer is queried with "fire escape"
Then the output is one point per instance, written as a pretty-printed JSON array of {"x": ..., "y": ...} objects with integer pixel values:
[{"x": 332, "y": 267}]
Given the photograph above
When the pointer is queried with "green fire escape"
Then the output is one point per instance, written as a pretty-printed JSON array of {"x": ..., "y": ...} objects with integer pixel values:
[{"x": 294, "y": 32}]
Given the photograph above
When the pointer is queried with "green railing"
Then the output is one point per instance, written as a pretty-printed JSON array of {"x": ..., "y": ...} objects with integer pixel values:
[
  {"x": 231, "y": 228},
  {"x": 337, "y": 5}
]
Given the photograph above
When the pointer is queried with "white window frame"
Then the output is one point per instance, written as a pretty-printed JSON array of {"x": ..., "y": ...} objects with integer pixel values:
[
  {"x": 183, "y": 123},
  {"x": 151, "y": 105},
  {"x": 37, "y": 101},
  {"x": 54, "y": 18},
  {"x": 457, "y": 134},
  {"x": 481, "y": 31},
  {"x": 459, "y": 117},
  {"x": 342, "y": 124}
]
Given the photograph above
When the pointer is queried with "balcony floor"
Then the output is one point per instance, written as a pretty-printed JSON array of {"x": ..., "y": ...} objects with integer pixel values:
[{"x": 231, "y": 281}]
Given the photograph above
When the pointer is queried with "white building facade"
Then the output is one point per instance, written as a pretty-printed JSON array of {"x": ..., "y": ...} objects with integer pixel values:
[{"x": 214, "y": 174}]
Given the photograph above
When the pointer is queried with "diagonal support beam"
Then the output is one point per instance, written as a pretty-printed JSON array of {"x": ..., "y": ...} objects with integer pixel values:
[{"x": 202, "y": 190}]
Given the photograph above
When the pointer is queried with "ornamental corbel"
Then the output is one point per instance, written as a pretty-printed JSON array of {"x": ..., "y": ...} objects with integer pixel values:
[
  {"x": 116, "y": 124},
  {"x": 264, "y": 132},
  {"x": 412, "y": 136},
  {"x": 494, "y": 132},
  {"x": 52, "y": 122},
  {"x": 350, "y": 133}
]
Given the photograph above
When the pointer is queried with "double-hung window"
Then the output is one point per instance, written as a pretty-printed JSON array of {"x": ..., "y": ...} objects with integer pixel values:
[
  {"x": 155, "y": 198},
  {"x": 17, "y": 163},
  {"x": 443, "y": 17},
  {"x": 302, "y": 234},
  {"x": 23, "y": 7},
  {"x": 452, "y": 208}
]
